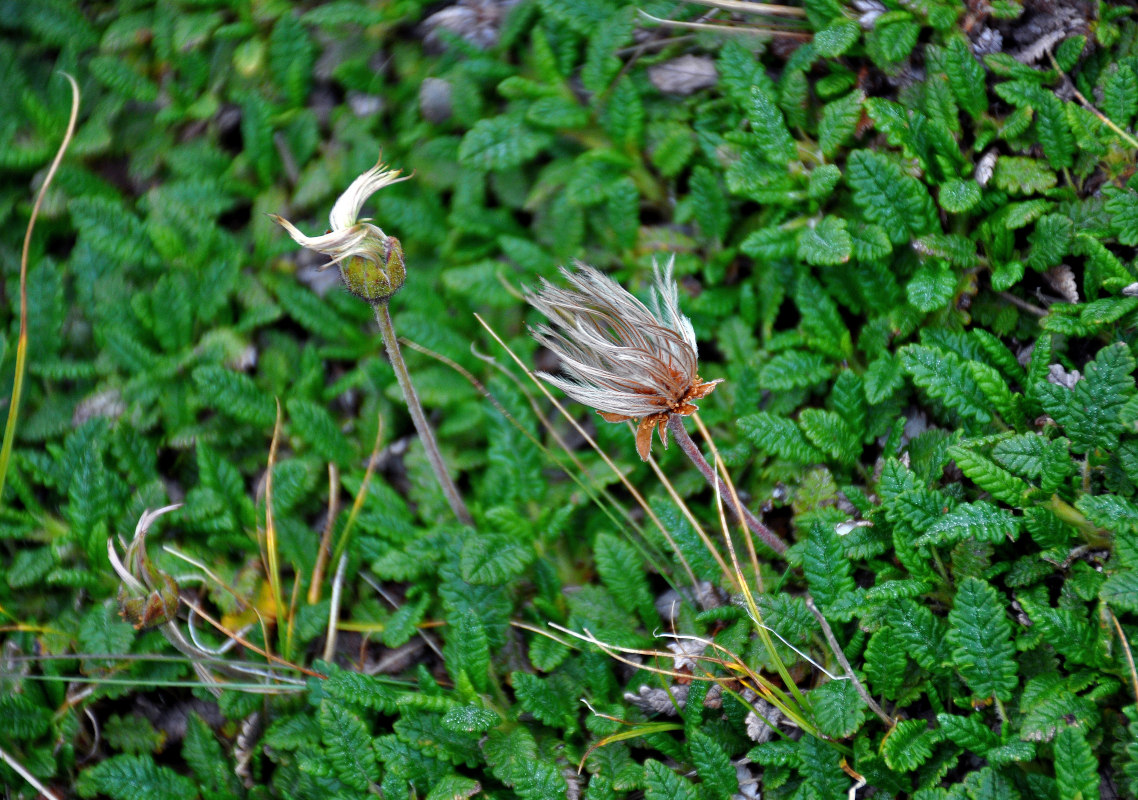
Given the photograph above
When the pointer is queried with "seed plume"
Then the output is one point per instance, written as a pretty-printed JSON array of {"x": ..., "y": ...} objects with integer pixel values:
[{"x": 626, "y": 360}]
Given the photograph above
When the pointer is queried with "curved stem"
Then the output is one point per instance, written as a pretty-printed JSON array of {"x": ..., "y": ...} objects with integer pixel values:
[
  {"x": 426, "y": 434},
  {"x": 680, "y": 434}
]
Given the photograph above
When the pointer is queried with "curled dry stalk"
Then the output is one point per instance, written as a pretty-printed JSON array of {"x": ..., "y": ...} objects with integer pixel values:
[
  {"x": 150, "y": 598},
  {"x": 22, "y": 342}
]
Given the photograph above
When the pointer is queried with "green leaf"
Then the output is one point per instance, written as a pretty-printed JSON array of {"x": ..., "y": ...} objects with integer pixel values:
[
  {"x": 1091, "y": 412},
  {"x": 494, "y": 559},
  {"x": 622, "y": 571},
  {"x": 826, "y": 243},
  {"x": 794, "y": 369},
  {"x": 778, "y": 436},
  {"x": 203, "y": 753},
  {"x": 134, "y": 778},
  {"x": 291, "y": 58},
  {"x": 980, "y": 636},
  {"x": 23, "y": 717},
  {"x": 545, "y": 699},
  {"x": 836, "y": 38},
  {"x": 968, "y": 732},
  {"x": 347, "y": 743},
  {"x": 234, "y": 394},
  {"x": 713, "y": 765},
  {"x": 660, "y": 783},
  {"x": 920, "y": 634},
  {"x": 829, "y": 433},
  {"x": 944, "y": 376},
  {"x": 895, "y": 201},
  {"x": 455, "y": 787},
  {"x": 467, "y": 650},
  {"x": 1121, "y": 591},
  {"x": 1018, "y": 175},
  {"x": 501, "y": 142},
  {"x": 709, "y": 203},
  {"x": 826, "y": 567},
  {"x": 313, "y": 423},
  {"x": 471, "y": 719},
  {"x": 909, "y": 744},
  {"x": 980, "y": 521},
  {"x": 989, "y": 476},
  {"x": 957, "y": 196},
  {"x": 1120, "y": 95},
  {"x": 769, "y": 127},
  {"x": 1076, "y": 768},
  {"x": 965, "y": 74},
  {"x": 1050, "y": 241},
  {"x": 355, "y": 687},
  {"x": 932, "y": 287},
  {"x": 838, "y": 709},
  {"x": 839, "y": 120}
]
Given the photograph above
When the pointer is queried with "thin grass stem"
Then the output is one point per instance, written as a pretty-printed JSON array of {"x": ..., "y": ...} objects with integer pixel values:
[
  {"x": 426, "y": 434},
  {"x": 22, "y": 342}
]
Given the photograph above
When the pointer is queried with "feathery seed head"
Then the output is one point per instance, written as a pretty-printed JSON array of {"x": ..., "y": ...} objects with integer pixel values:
[
  {"x": 626, "y": 360},
  {"x": 370, "y": 261}
]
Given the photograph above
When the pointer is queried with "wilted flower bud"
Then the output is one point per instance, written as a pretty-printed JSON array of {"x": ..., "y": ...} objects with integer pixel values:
[
  {"x": 370, "y": 261},
  {"x": 147, "y": 597}
]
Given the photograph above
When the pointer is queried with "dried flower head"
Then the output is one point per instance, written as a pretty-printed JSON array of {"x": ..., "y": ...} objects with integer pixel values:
[
  {"x": 622, "y": 358},
  {"x": 370, "y": 261}
]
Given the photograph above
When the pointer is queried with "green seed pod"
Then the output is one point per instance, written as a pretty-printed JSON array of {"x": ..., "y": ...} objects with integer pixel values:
[{"x": 378, "y": 274}]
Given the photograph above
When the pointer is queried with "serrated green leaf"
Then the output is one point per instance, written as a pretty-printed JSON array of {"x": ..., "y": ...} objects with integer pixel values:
[
  {"x": 979, "y": 521},
  {"x": 769, "y": 128},
  {"x": 1019, "y": 175},
  {"x": 826, "y": 243},
  {"x": 1090, "y": 413},
  {"x": 909, "y": 744},
  {"x": 957, "y": 196},
  {"x": 778, "y": 436},
  {"x": 347, "y": 743},
  {"x": 895, "y": 201},
  {"x": 493, "y": 560},
  {"x": 989, "y": 476},
  {"x": 980, "y": 636},
  {"x": 944, "y": 375},
  {"x": 713, "y": 765},
  {"x": 1076, "y": 768},
  {"x": 793, "y": 369},
  {"x": 501, "y": 142},
  {"x": 830, "y": 434},
  {"x": 838, "y": 709},
  {"x": 622, "y": 571},
  {"x": 826, "y": 567},
  {"x": 660, "y": 783},
  {"x": 126, "y": 777}
]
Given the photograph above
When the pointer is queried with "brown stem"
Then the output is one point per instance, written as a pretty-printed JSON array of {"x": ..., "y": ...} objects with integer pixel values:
[
  {"x": 754, "y": 524},
  {"x": 841, "y": 656},
  {"x": 426, "y": 434}
]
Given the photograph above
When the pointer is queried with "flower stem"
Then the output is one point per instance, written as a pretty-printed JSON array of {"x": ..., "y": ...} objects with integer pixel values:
[
  {"x": 426, "y": 435},
  {"x": 680, "y": 434}
]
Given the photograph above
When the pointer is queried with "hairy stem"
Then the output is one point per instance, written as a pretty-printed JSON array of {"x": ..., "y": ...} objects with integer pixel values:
[
  {"x": 680, "y": 434},
  {"x": 426, "y": 435}
]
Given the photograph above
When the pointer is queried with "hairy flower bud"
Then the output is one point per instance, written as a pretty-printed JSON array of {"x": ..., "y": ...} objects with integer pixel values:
[{"x": 370, "y": 261}]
